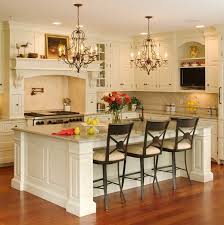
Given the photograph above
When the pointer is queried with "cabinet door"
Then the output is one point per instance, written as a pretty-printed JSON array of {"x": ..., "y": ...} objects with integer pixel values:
[
  {"x": 1, "y": 58},
  {"x": 17, "y": 106},
  {"x": 212, "y": 78},
  {"x": 126, "y": 71},
  {"x": 141, "y": 80},
  {"x": 115, "y": 66},
  {"x": 91, "y": 103},
  {"x": 211, "y": 49},
  {"x": 164, "y": 82}
]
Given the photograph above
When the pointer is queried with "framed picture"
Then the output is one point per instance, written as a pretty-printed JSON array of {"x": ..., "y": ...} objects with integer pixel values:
[{"x": 53, "y": 43}]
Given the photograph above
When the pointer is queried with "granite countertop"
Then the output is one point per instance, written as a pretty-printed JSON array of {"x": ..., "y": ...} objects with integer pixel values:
[
  {"x": 200, "y": 115},
  {"x": 47, "y": 130},
  {"x": 160, "y": 112},
  {"x": 8, "y": 119}
]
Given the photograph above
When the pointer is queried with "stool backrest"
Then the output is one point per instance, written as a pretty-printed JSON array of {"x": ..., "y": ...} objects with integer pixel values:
[
  {"x": 157, "y": 131},
  {"x": 185, "y": 130},
  {"x": 119, "y": 135}
]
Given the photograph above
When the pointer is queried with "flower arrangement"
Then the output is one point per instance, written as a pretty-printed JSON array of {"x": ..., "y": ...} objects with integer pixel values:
[{"x": 116, "y": 102}]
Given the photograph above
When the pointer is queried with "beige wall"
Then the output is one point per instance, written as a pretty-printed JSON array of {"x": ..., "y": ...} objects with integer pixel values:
[
  {"x": 158, "y": 100},
  {"x": 55, "y": 89},
  {"x": 77, "y": 94}
]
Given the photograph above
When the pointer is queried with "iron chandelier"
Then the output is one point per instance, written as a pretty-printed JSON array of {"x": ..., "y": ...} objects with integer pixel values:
[
  {"x": 77, "y": 54},
  {"x": 149, "y": 58}
]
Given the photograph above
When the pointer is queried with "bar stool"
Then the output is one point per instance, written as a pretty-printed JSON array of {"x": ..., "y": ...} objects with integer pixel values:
[
  {"x": 183, "y": 142},
  {"x": 119, "y": 135},
  {"x": 150, "y": 148}
]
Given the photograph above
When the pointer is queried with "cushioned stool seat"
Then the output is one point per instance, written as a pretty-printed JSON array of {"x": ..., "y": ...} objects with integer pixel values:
[
  {"x": 170, "y": 144},
  {"x": 138, "y": 150},
  {"x": 99, "y": 155}
]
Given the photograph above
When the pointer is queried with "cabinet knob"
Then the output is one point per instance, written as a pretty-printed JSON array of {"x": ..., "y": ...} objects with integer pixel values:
[
  {"x": 0, "y": 84},
  {"x": 17, "y": 104},
  {"x": 170, "y": 84},
  {"x": 207, "y": 84}
]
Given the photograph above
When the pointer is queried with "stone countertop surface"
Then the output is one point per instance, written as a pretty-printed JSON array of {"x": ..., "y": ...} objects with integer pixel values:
[
  {"x": 185, "y": 114},
  {"x": 2, "y": 119},
  {"x": 160, "y": 112},
  {"x": 47, "y": 130}
]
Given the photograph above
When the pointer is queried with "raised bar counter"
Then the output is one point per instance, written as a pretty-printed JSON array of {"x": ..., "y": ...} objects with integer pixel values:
[{"x": 60, "y": 168}]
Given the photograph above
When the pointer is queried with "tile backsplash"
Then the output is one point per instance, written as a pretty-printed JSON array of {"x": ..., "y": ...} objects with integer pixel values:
[
  {"x": 159, "y": 100},
  {"x": 55, "y": 89}
]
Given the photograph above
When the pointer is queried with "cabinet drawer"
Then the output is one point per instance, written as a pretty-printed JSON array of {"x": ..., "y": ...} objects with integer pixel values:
[{"x": 7, "y": 126}]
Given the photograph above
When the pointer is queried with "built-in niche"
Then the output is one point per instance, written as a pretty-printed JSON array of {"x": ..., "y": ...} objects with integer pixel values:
[
  {"x": 191, "y": 61},
  {"x": 56, "y": 88}
]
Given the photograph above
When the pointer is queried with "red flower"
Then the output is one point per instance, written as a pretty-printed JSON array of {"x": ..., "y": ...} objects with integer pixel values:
[
  {"x": 112, "y": 98},
  {"x": 119, "y": 100},
  {"x": 127, "y": 99}
]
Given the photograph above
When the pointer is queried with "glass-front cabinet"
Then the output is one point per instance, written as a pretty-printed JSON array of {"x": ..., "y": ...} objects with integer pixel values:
[{"x": 101, "y": 79}]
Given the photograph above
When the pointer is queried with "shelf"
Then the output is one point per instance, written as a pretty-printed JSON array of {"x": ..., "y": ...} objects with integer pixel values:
[
  {"x": 188, "y": 67},
  {"x": 199, "y": 58}
]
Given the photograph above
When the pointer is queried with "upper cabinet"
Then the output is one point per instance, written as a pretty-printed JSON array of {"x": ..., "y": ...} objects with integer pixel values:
[
  {"x": 162, "y": 78},
  {"x": 116, "y": 72},
  {"x": 212, "y": 70}
]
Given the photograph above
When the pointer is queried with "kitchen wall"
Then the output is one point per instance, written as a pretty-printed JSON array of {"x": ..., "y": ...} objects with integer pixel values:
[
  {"x": 55, "y": 89},
  {"x": 159, "y": 100}
]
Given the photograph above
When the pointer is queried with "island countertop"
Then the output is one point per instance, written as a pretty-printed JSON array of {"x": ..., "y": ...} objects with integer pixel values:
[
  {"x": 48, "y": 130},
  {"x": 60, "y": 169}
]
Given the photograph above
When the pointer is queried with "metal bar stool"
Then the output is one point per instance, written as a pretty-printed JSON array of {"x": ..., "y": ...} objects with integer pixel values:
[
  {"x": 152, "y": 147},
  {"x": 183, "y": 141},
  {"x": 119, "y": 135}
]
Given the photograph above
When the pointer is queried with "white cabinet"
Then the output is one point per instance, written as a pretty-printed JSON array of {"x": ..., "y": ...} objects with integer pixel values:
[
  {"x": 213, "y": 124},
  {"x": 7, "y": 139},
  {"x": 212, "y": 77},
  {"x": 91, "y": 101},
  {"x": 17, "y": 106},
  {"x": 161, "y": 79},
  {"x": 212, "y": 71}
]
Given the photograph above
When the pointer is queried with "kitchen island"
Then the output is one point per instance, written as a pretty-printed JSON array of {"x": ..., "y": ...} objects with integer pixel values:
[{"x": 60, "y": 168}]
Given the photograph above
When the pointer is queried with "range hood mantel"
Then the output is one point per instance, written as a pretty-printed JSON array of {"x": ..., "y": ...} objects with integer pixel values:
[{"x": 25, "y": 67}]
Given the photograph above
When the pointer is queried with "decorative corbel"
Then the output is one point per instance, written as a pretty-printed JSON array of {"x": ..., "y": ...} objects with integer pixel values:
[{"x": 18, "y": 80}]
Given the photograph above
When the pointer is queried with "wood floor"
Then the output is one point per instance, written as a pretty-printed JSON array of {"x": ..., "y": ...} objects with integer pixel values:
[{"x": 199, "y": 204}]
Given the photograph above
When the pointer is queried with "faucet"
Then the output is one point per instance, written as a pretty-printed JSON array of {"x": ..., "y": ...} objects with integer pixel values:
[{"x": 141, "y": 116}]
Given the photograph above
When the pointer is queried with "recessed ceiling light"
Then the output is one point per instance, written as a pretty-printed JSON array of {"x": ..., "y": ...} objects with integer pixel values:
[
  {"x": 200, "y": 26},
  {"x": 143, "y": 33},
  {"x": 56, "y": 23}
]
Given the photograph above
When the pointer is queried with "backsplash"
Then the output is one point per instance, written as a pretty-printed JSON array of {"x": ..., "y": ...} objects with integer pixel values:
[
  {"x": 159, "y": 100},
  {"x": 55, "y": 89}
]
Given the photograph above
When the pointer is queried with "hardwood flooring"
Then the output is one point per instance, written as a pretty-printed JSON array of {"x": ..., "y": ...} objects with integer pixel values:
[{"x": 199, "y": 204}]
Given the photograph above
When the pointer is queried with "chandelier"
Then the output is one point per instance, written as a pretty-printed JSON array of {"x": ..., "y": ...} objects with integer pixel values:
[
  {"x": 77, "y": 54},
  {"x": 148, "y": 59}
]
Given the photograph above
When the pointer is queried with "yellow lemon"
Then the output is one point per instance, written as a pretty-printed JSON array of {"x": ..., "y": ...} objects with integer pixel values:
[
  {"x": 91, "y": 131},
  {"x": 94, "y": 122},
  {"x": 89, "y": 121},
  {"x": 77, "y": 131}
]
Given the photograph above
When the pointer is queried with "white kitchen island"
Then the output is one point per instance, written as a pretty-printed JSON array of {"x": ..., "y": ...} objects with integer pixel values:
[{"x": 60, "y": 169}]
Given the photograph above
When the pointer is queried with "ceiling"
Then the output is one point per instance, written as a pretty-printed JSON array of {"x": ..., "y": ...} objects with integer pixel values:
[{"x": 117, "y": 16}]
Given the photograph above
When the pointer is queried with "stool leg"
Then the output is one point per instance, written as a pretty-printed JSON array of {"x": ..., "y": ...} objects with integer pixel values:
[
  {"x": 174, "y": 170},
  {"x": 119, "y": 182},
  {"x": 156, "y": 159},
  {"x": 142, "y": 176},
  {"x": 124, "y": 167},
  {"x": 185, "y": 160},
  {"x": 105, "y": 187}
]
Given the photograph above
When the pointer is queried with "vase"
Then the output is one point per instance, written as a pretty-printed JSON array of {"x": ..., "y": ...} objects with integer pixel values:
[{"x": 116, "y": 116}]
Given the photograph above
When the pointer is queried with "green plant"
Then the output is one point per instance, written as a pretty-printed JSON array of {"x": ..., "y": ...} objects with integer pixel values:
[{"x": 135, "y": 101}]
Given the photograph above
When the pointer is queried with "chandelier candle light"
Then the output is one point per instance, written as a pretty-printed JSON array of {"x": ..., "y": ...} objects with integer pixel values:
[
  {"x": 148, "y": 59},
  {"x": 77, "y": 54}
]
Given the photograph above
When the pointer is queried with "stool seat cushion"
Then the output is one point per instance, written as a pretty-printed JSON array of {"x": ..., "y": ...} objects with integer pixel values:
[
  {"x": 138, "y": 150},
  {"x": 99, "y": 155},
  {"x": 170, "y": 144}
]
